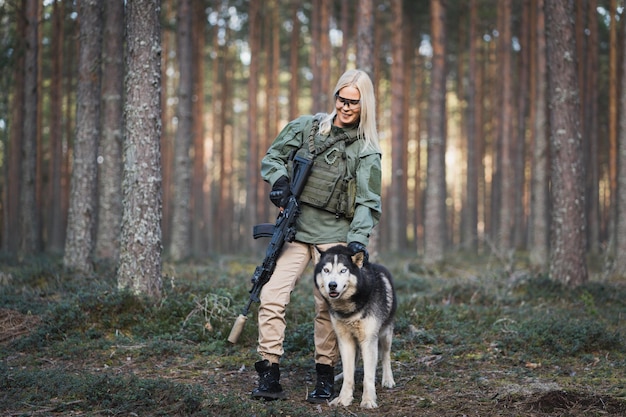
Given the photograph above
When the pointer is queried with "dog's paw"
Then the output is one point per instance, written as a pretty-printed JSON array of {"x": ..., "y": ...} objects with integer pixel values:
[
  {"x": 345, "y": 401},
  {"x": 388, "y": 382},
  {"x": 368, "y": 403}
]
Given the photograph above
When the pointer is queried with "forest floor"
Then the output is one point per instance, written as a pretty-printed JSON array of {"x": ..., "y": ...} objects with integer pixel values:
[{"x": 473, "y": 337}]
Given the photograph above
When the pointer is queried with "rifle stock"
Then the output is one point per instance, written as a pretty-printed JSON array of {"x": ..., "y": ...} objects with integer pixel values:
[{"x": 284, "y": 231}]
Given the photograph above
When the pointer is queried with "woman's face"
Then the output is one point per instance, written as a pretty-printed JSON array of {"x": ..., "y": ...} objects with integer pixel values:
[{"x": 348, "y": 104}]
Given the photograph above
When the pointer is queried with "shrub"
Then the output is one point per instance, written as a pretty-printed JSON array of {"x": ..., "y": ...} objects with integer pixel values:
[{"x": 560, "y": 336}]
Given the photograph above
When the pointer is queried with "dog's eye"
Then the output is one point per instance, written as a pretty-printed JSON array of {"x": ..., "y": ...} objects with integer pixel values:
[
  {"x": 326, "y": 270},
  {"x": 343, "y": 270}
]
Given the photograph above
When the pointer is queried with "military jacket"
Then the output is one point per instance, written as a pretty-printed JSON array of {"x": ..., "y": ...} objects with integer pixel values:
[{"x": 316, "y": 225}]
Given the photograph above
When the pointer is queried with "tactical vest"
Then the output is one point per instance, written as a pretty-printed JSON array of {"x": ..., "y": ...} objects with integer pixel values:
[{"x": 330, "y": 186}]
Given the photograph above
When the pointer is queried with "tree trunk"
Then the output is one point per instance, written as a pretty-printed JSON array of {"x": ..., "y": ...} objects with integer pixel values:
[
  {"x": 54, "y": 219},
  {"x": 69, "y": 130},
  {"x": 325, "y": 56},
  {"x": 408, "y": 47},
  {"x": 540, "y": 175},
  {"x": 520, "y": 151},
  {"x": 344, "y": 24},
  {"x": 418, "y": 177},
  {"x": 294, "y": 63},
  {"x": 167, "y": 146},
  {"x": 591, "y": 132},
  {"x": 181, "y": 208},
  {"x": 507, "y": 173},
  {"x": 139, "y": 268},
  {"x": 272, "y": 87},
  {"x": 11, "y": 212},
  {"x": 110, "y": 153},
  {"x": 253, "y": 175},
  {"x": 470, "y": 223},
  {"x": 435, "y": 210},
  {"x": 396, "y": 221},
  {"x": 315, "y": 55},
  {"x": 567, "y": 262},
  {"x": 613, "y": 90},
  {"x": 29, "y": 209},
  {"x": 79, "y": 244},
  {"x": 225, "y": 200},
  {"x": 365, "y": 37},
  {"x": 199, "y": 220},
  {"x": 620, "y": 247},
  {"x": 217, "y": 106}
]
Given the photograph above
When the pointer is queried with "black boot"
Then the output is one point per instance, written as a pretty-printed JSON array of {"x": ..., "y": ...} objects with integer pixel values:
[
  {"x": 323, "y": 391},
  {"x": 269, "y": 385}
]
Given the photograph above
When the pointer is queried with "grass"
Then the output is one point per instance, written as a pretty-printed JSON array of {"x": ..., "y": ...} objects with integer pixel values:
[{"x": 471, "y": 338}]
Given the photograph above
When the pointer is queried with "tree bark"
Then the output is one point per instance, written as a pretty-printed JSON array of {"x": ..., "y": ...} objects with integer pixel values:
[
  {"x": 365, "y": 37},
  {"x": 613, "y": 90},
  {"x": 199, "y": 219},
  {"x": 29, "y": 209},
  {"x": 55, "y": 214},
  {"x": 139, "y": 268},
  {"x": 520, "y": 150},
  {"x": 253, "y": 175},
  {"x": 294, "y": 62},
  {"x": 11, "y": 212},
  {"x": 435, "y": 209},
  {"x": 325, "y": 56},
  {"x": 396, "y": 221},
  {"x": 540, "y": 175},
  {"x": 470, "y": 223},
  {"x": 590, "y": 127},
  {"x": 225, "y": 201},
  {"x": 591, "y": 131},
  {"x": 620, "y": 247},
  {"x": 79, "y": 245},
  {"x": 567, "y": 263},
  {"x": 507, "y": 173},
  {"x": 110, "y": 153},
  {"x": 181, "y": 207},
  {"x": 168, "y": 13}
]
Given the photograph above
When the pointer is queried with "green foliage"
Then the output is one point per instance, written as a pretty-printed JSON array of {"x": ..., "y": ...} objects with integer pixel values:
[
  {"x": 97, "y": 348},
  {"x": 118, "y": 394},
  {"x": 559, "y": 335},
  {"x": 298, "y": 338}
]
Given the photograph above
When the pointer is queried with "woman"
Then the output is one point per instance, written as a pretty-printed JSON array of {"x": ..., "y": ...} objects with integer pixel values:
[{"x": 337, "y": 208}]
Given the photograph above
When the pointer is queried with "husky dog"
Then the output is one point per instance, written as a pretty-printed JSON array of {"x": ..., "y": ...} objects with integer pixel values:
[{"x": 362, "y": 303}]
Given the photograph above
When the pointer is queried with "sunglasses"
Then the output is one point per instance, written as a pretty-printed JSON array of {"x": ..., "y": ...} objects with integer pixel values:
[{"x": 350, "y": 102}]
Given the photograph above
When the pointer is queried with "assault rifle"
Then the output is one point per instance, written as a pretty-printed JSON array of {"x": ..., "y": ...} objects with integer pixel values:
[{"x": 284, "y": 230}]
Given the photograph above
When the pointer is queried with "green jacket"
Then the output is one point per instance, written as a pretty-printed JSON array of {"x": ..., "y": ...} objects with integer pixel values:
[{"x": 317, "y": 226}]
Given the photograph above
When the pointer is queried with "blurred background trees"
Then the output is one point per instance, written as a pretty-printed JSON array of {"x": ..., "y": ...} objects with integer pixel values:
[{"x": 463, "y": 115}]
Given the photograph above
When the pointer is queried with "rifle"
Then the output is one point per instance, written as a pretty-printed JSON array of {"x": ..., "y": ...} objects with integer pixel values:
[{"x": 284, "y": 230}]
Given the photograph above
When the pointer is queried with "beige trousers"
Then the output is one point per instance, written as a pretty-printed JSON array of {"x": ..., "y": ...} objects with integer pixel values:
[{"x": 275, "y": 296}]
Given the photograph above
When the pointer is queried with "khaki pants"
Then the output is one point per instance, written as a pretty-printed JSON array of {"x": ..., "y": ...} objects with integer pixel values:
[{"x": 275, "y": 296}]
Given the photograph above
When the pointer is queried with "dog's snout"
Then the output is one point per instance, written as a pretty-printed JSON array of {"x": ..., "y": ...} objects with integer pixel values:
[{"x": 332, "y": 285}]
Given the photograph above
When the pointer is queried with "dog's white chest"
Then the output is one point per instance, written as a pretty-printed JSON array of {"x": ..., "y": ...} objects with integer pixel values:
[{"x": 357, "y": 327}]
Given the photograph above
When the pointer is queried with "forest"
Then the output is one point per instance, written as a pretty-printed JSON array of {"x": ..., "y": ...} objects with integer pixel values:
[
  {"x": 467, "y": 113},
  {"x": 131, "y": 135}
]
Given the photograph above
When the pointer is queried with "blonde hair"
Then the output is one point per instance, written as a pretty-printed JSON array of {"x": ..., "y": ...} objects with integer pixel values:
[{"x": 367, "y": 122}]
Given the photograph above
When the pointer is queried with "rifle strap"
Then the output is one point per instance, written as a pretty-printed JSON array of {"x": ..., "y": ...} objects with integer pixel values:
[
  {"x": 314, "y": 150},
  {"x": 314, "y": 129}
]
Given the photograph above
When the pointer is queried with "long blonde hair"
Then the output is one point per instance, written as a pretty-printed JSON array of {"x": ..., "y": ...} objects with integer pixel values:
[{"x": 367, "y": 122}]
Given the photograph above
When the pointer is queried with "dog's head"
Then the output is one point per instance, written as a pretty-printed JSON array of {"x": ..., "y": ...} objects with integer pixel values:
[{"x": 336, "y": 272}]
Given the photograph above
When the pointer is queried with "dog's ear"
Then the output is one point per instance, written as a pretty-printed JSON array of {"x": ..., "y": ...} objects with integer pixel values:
[
  {"x": 317, "y": 254},
  {"x": 358, "y": 259}
]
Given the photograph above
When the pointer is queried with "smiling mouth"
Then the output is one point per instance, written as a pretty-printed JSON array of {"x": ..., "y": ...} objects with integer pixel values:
[{"x": 333, "y": 294}]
